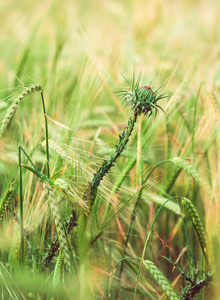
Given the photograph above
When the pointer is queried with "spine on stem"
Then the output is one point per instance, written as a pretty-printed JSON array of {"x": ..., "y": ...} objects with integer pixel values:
[{"x": 108, "y": 163}]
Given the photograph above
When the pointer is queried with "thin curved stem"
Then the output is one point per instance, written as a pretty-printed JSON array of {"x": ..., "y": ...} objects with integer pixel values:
[
  {"x": 146, "y": 244},
  {"x": 113, "y": 269},
  {"x": 21, "y": 207},
  {"x": 134, "y": 212},
  {"x": 46, "y": 134}
]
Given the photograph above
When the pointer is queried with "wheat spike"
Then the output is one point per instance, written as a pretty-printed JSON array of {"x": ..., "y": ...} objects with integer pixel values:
[
  {"x": 60, "y": 231},
  {"x": 161, "y": 280},
  {"x": 61, "y": 152},
  {"x": 5, "y": 199},
  {"x": 183, "y": 164},
  {"x": 194, "y": 216},
  {"x": 215, "y": 102},
  {"x": 13, "y": 107},
  {"x": 189, "y": 169},
  {"x": 57, "y": 270},
  {"x": 57, "y": 148}
]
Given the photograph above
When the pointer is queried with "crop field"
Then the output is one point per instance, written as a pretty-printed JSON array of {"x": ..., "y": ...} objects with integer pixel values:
[{"x": 109, "y": 150}]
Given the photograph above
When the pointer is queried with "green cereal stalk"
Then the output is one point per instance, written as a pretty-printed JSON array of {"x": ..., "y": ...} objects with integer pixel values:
[
  {"x": 194, "y": 118},
  {"x": 69, "y": 224},
  {"x": 133, "y": 214},
  {"x": 5, "y": 199},
  {"x": 36, "y": 172},
  {"x": 146, "y": 244},
  {"x": 161, "y": 280},
  {"x": 13, "y": 107},
  {"x": 21, "y": 206},
  {"x": 46, "y": 134},
  {"x": 9, "y": 284},
  {"x": 57, "y": 270},
  {"x": 62, "y": 238},
  {"x": 194, "y": 216},
  {"x": 171, "y": 180},
  {"x": 133, "y": 217}
]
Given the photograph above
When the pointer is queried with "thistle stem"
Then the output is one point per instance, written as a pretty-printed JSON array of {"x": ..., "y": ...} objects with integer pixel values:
[{"x": 108, "y": 163}]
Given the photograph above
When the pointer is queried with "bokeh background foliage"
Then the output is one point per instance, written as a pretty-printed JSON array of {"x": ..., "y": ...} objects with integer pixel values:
[{"x": 77, "y": 50}]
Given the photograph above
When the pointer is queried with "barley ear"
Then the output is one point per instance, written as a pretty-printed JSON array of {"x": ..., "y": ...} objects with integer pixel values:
[
  {"x": 5, "y": 199},
  {"x": 9, "y": 284},
  {"x": 161, "y": 280},
  {"x": 57, "y": 148},
  {"x": 62, "y": 238},
  {"x": 54, "y": 246},
  {"x": 191, "y": 171},
  {"x": 215, "y": 102},
  {"x": 194, "y": 216},
  {"x": 11, "y": 110},
  {"x": 57, "y": 270}
]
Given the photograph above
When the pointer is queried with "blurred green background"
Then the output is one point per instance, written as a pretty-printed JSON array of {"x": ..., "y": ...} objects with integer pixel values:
[{"x": 78, "y": 49}]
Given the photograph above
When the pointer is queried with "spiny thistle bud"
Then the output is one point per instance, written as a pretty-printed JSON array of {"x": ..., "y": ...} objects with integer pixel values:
[{"x": 141, "y": 99}]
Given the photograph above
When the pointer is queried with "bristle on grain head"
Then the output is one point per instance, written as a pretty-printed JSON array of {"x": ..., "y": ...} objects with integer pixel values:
[
  {"x": 142, "y": 98},
  {"x": 11, "y": 110}
]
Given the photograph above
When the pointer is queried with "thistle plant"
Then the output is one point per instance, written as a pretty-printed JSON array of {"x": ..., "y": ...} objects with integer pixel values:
[
  {"x": 143, "y": 101},
  {"x": 194, "y": 283},
  {"x": 77, "y": 233}
]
